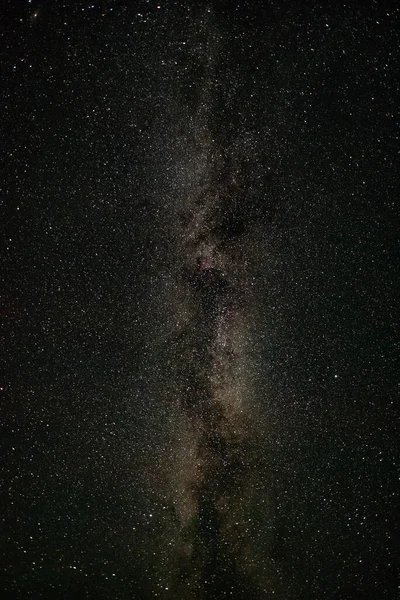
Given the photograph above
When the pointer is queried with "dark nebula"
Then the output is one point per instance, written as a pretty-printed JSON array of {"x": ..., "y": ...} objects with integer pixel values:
[{"x": 198, "y": 300}]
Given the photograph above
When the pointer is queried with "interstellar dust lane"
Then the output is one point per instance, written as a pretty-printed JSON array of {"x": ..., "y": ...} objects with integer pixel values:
[{"x": 212, "y": 252}]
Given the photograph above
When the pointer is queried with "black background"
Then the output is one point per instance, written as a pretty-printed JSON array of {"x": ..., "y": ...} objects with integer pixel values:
[{"x": 89, "y": 127}]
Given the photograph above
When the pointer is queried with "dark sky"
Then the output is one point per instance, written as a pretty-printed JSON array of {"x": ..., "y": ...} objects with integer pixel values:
[{"x": 199, "y": 217}]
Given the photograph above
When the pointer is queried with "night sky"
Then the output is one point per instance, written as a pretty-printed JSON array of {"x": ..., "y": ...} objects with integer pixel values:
[{"x": 199, "y": 225}]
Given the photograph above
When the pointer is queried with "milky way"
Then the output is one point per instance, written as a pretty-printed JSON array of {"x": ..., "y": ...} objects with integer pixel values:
[
  {"x": 213, "y": 394},
  {"x": 213, "y": 240}
]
